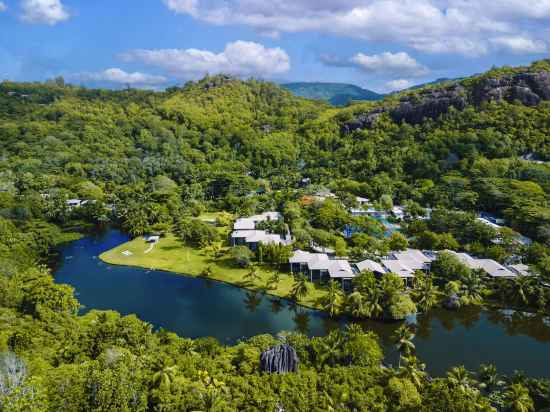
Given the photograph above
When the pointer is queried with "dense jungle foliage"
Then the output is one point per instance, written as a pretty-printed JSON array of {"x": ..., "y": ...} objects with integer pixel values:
[{"x": 149, "y": 160}]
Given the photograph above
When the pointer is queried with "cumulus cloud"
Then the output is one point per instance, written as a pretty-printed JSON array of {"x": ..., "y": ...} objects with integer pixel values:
[
  {"x": 390, "y": 64},
  {"x": 239, "y": 58},
  {"x": 519, "y": 44},
  {"x": 434, "y": 26},
  {"x": 386, "y": 64},
  {"x": 398, "y": 84},
  {"x": 3, "y": 6},
  {"x": 116, "y": 75},
  {"x": 44, "y": 11}
]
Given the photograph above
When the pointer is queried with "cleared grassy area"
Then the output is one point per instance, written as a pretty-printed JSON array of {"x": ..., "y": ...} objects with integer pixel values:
[{"x": 172, "y": 255}]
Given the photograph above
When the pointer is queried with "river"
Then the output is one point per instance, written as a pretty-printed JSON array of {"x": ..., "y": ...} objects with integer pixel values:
[{"x": 198, "y": 307}]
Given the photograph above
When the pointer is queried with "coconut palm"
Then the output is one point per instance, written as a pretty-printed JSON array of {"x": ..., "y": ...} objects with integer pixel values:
[
  {"x": 299, "y": 290},
  {"x": 332, "y": 298},
  {"x": 164, "y": 375},
  {"x": 522, "y": 289},
  {"x": 329, "y": 349},
  {"x": 356, "y": 305},
  {"x": 471, "y": 288},
  {"x": 518, "y": 399},
  {"x": 403, "y": 338},
  {"x": 460, "y": 378},
  {"x": 425, "y": 293},
  {"x": 374, "y": 300},
  {"x": 489, "y": 377},
  {"x": 413, "y": 370}
]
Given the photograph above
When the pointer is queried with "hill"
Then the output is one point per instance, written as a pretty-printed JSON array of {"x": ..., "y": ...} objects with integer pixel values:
[{"x": 337, "y": 94}]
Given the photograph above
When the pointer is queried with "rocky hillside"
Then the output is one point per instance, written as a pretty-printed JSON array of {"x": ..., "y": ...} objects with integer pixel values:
[{"x": 527, "y": 85}]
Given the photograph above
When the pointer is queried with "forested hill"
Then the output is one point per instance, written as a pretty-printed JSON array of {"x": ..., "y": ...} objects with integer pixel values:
[
  {"x": 337, "y": 94},
  {"x": 150, "y": 161},
  {"x": 457, "y": 145}
]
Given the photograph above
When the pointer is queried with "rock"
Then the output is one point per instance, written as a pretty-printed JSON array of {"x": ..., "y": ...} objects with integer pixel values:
[
  {"x": 529, "y": 88},
  {"x": 452, "y": 302},
  {"x": 362, "y": 121},
  {"x": 279, "y": 359},
  {"x": 430, "y": 103}
]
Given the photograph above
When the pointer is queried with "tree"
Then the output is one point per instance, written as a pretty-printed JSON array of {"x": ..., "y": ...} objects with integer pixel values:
[
  {"x": 331, "y": 301},
  {"x": 242, "y": 256},
  {"x": 398, "y": 241},
  {"x": 403, "y": 339},
  {"x": 425, "y": 293},
  {"x": 518, "y": 399},
  {"x": 299, "y": 290},
  {"x": 449, "y": 267}
]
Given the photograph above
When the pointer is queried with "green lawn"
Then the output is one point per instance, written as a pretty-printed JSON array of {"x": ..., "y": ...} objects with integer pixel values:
[{"x": 172, "y": 255}]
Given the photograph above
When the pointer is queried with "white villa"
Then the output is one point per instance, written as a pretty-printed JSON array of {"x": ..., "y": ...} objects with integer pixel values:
[
  {"x": 319, "y": 267},
  {"x": 489, "y": 266},
  {"x": 245, "y": 233}
]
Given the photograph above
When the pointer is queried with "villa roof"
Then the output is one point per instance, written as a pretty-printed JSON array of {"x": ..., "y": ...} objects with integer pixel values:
[
  {"x": 244, "y": 224},
  {"x": 339, "y": 269},
  {"x": 397, "y": 267},
  {"x": 371, "y": 266},
  {"x": 489, "y": 266},
  {"x": 520, "y": 269}
]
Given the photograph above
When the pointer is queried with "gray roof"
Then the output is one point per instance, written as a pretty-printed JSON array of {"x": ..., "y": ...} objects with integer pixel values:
[{"x": 371, "y": 266}]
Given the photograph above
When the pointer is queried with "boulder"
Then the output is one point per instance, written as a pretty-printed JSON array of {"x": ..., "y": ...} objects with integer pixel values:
[
  {"x": 279, "y": 359},
  {"x": 452, "y": 302}
]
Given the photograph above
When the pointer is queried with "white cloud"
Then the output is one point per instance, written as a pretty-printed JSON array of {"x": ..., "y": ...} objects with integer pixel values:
[
  {"x": 434, "y": 26},
  {"x": 398, "y": 84},
  {"x": 239, "y": 58},
  {"x": 116, "y": 75},
  {"x": 3, "y": 6},
  {"x": 520, "y": 44},
  {"x": 44, "y": 11},
  {"x": 391, "y": 64},
  {"x": 183, "y": 6}
]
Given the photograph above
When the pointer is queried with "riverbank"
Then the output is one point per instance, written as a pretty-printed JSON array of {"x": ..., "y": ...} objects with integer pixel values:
[{"x": 172, "y": 255}]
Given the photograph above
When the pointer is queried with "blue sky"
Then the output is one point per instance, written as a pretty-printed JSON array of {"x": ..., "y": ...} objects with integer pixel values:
[{"x": 378, "y": 44}]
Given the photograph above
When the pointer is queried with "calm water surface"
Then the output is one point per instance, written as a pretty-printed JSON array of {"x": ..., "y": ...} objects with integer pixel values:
[{"x": 198, "y": 307}]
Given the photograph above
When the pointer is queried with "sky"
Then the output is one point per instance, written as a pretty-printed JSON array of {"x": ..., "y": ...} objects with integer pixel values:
[{"x": 382, "y": 45}]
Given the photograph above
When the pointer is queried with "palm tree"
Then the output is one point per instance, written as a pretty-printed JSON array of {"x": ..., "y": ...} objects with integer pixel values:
[
  {"x": 299, "y": 290},
  {"x": 356, "y": 305},
  {"x": 518, "y": 399},
  {"x": 460, "y": 378},
  {"x": 489, "y": 377},
  {"x": 471, "y": 287},
  {"x": 164, "y": 375},
  {"x": 403, "y": 338},
  {"x": 332, "y": 298},
  {"x": 522, "y": 289},
  {"x": 425, "y": 293},
  {"x": 413, "y": 370},
  {"x": 374, "y": 298},
  {"x": 329, "y": 348}
]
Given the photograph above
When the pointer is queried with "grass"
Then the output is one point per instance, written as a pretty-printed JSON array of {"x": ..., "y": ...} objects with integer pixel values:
[{"x": 170, "y": 254}]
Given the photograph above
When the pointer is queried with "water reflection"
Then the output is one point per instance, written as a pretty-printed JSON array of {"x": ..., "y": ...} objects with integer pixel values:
[{"x": 198, "y": 307}]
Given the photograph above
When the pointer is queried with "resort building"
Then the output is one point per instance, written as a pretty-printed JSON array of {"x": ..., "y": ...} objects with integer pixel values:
[
  {"x": 319, "y": 267},
  {"x": 246, "y": 234},
  {"x": 489, "y": 266}
]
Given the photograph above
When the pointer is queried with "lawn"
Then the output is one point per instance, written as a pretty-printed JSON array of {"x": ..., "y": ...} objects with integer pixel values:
[{"x": 172, "y": 255}]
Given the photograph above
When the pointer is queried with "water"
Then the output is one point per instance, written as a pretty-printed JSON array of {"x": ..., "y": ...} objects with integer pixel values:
[{"x": 197, "y": 307}]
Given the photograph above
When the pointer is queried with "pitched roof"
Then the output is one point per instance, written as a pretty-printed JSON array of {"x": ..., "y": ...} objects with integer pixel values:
[
  {"x": 340, "y": 269},
  {"x": 371, "y": 266}
]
